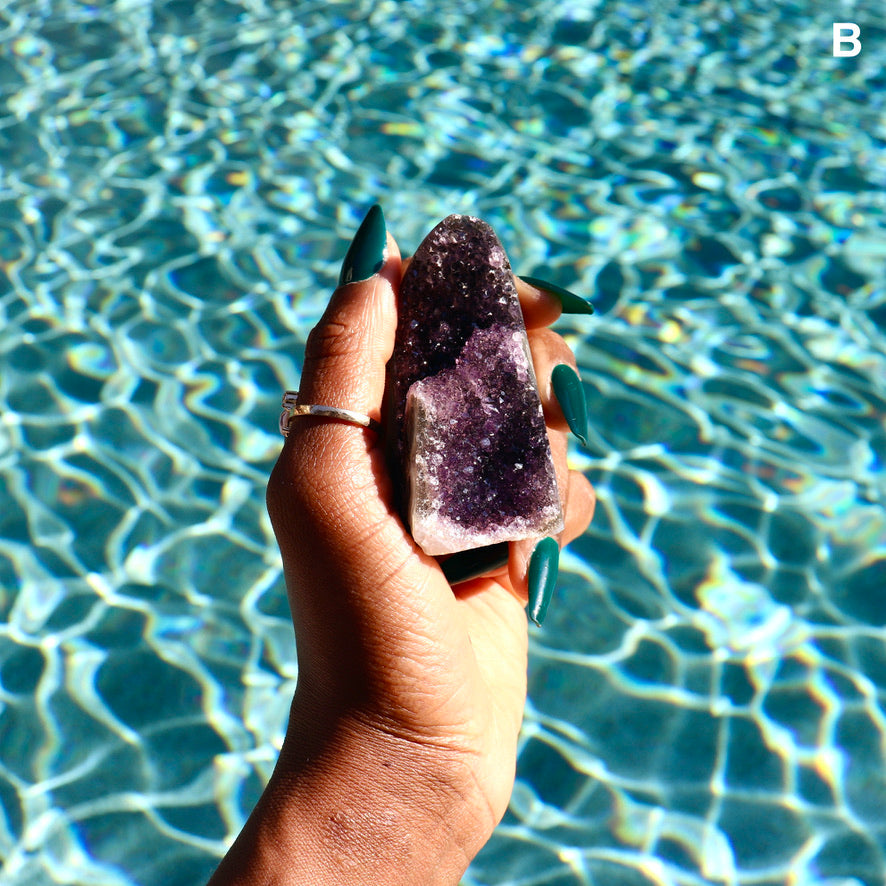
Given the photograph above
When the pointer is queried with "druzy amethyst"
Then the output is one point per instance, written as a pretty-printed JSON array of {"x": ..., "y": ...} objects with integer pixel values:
[{"x": 469, "y": 445}]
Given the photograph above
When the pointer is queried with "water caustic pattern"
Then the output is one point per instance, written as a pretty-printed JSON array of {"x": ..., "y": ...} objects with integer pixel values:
[{"x": 177, "y": 185}]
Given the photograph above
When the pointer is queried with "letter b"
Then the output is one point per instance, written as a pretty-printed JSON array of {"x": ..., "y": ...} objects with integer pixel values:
[{"x": 852, "y": 38}]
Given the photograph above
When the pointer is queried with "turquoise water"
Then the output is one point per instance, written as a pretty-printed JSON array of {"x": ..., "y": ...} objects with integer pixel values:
[{"x": 178, "y": 183}]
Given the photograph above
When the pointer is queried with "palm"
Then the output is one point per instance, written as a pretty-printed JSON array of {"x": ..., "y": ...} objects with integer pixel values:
[{"x": 455, "y": 680}]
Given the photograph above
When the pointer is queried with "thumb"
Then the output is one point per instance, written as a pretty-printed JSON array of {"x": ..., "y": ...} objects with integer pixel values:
[
  {"x": 346, "y": 352},
  {"x": 330, "y": 482}
]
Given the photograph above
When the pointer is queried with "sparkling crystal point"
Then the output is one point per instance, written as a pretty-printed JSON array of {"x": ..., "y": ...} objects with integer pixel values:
[{"x": 470, "y": 449}]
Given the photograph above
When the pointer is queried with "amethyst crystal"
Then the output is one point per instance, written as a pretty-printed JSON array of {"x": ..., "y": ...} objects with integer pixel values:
[{"x": 469, "y": 449}]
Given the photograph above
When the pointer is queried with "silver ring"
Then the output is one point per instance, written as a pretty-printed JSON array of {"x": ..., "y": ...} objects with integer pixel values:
[{"x": 291, "y": 409}]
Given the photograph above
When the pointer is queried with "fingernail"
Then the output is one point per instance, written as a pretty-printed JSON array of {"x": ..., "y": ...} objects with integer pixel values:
[
  {"x": 572, "y": 303},
  {"x": 366, "y": 254},
  {"x": 543, "y": 566},
  {"x": 568, "y": 391},
  {"x": 472, "y": 564}
]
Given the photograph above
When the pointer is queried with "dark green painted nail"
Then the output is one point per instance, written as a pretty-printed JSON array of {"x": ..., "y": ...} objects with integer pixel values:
[
  {"x": 472, "y": 564},
  {"x": 366, "y": 254},
  {"x": 543, "y": 566},
  {"x": 571, "y": 397},
  {"x": 572, "y": 303}
]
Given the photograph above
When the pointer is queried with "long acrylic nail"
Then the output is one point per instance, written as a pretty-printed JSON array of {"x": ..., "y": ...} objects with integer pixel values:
[
  {"x": 366, "y": 254},
  {"x": 543, "y": 567},
  {"x": 472, "y": 564},
  {"x": 571, "y": 303},
  {"x": 568, "y": 391}
]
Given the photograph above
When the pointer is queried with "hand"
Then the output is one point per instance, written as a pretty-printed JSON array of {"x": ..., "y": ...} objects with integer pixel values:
[{"x": 400, "y": 754}]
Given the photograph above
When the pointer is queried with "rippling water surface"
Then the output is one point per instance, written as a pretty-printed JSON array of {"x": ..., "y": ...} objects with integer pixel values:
[{"x": 178, "y": 182}]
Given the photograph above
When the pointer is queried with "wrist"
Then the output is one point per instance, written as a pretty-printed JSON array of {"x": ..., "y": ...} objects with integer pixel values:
[
  {"x": 361, "y": 806},
  {"x": 384, "y": 808}
]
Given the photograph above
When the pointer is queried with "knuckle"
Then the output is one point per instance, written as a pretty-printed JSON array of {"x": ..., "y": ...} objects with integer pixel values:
[
  {"x": 550, "y": 347},
  {"x": 316, "y": 482},
  {"x": 333, "y": 339}
]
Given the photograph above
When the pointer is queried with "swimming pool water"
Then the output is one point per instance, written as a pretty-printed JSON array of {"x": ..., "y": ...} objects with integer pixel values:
[{"x": 178, "y": 183}]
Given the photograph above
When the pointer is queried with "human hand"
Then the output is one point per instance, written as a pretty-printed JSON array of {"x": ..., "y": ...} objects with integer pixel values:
[{"x": 400, "y": 754}]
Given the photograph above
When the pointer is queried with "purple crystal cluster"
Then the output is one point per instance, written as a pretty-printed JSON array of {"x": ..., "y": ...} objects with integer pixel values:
[{"x": 469, "y": 447}]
